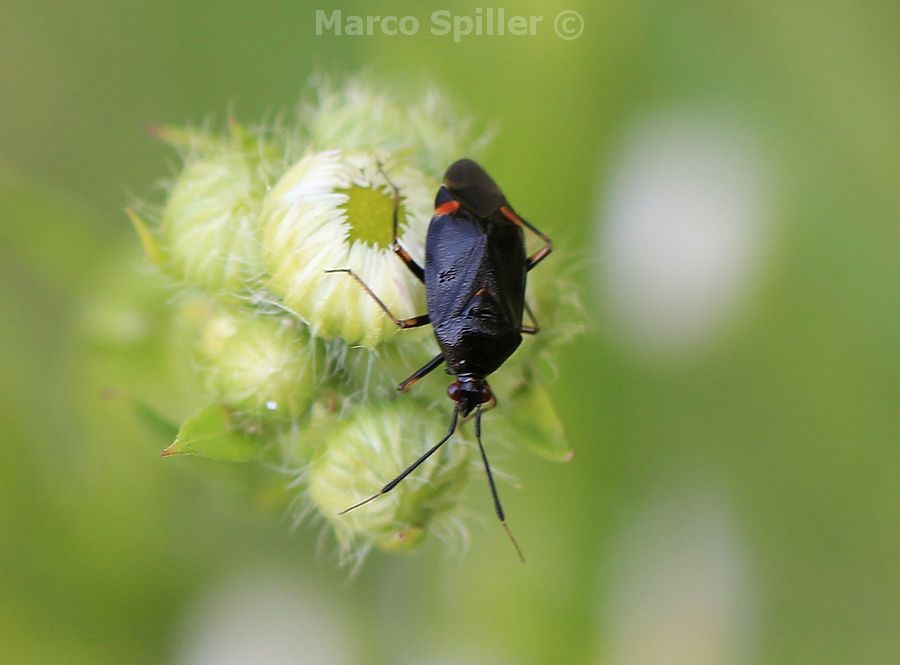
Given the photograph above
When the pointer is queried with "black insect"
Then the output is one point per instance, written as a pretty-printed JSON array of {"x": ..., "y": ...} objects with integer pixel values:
[{"x": 474, "y": 275}]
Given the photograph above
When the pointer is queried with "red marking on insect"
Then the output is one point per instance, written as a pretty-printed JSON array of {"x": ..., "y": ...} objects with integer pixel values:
[
  {"x": 510, "y": 215},
  {"x": 447, "y": 208}
]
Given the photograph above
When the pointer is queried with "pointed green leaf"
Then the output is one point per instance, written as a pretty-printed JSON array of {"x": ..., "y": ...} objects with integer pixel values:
[
  {"x": 153, "y": 419},
  {"x": 209, "y": 434}
]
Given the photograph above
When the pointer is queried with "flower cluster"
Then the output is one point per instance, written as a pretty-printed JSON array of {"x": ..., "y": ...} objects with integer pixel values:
[{"x": 297, "y": 365}]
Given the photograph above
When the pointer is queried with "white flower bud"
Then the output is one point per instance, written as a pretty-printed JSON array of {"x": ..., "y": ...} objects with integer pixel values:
[{"x": 333, "y": 210}]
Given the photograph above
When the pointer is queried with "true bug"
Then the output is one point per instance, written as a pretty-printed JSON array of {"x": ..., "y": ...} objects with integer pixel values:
[{"x": 474, "y": 276}]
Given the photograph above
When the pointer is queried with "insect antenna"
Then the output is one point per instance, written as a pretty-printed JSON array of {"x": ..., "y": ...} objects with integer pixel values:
[
  {"x": 361, "y": 503},
  {"x": 487, "y": 467},
  {"x": 396, "y": 481}
]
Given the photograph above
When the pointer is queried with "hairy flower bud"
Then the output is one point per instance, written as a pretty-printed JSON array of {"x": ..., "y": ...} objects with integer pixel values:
[
  {"x": 259, "y": 365},
  {"x": 209, "y": 227},
  {"x": 334, "y": 210},
  {"x": 428, "y": 130},
  {"x": 369, "y": 449}
]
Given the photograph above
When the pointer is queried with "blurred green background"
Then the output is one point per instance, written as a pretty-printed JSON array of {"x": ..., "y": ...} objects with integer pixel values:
[{"x": 723, "y": 178}]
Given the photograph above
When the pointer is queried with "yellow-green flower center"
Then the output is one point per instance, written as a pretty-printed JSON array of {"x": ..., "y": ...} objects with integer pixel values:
[{"x": 370, "y": 215}]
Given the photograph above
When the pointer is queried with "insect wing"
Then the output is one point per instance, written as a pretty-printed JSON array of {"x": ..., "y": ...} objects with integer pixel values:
[
  {"x": 504, "y": 272},
  {"x": 455, "y": 249}
]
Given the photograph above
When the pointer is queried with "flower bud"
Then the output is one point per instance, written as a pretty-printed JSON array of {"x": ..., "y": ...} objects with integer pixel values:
[
  {"x": 334, "y": 210},
  {"x": 428, "y": 129},
  {"x": 370, "y": 449},
  {"x": 259, "y": 365},
  {"x": 209, "y": 226}
]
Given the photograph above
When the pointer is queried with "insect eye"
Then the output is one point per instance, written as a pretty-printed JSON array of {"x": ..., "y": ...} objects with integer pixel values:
[
  {"x": 454, "y": 390},
  {"x": 486, "y": 393}
]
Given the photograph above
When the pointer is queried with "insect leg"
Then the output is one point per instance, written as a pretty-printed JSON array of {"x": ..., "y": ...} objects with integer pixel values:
[
  {"x": 396, "y": 481},
  {"x": 408, "y": 382},
  {"x": 414, "y": 322},
  {"x": 540, "y": 254},
  {"x": 398, "y": 249},
  {"x": 487, "y": 467},
  {"x": 533, "y": 329}
]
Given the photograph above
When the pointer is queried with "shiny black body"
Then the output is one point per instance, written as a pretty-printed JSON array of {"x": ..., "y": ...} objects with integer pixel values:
[{"x": 475, "y": 271}]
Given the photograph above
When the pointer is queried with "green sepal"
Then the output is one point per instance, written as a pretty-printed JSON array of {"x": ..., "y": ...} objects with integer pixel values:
[
  {"x": 209, "y": 433},
  {"x": 153, "y": 419},
  {"x": 149, "y": 243},
  {"x": 186, "y": 138}
]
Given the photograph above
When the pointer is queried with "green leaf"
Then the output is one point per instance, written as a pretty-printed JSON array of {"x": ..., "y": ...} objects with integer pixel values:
[
  {"x": 209, "y": 433},
  {"x": 153, "y": 419},
  {"x": 534, "y": 421}
]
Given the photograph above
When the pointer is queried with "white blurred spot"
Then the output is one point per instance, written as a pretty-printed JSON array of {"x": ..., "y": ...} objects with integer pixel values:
[
  {"x": 678, "y": 591},
  {"x": 681, "y": 231},
  {"x": 265, "y": 617},
  {"x": 271, "y": 405}
]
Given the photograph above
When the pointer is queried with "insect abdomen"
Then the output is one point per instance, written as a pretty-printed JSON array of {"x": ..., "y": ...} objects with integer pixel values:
[{"x": 471, "y": 347}]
